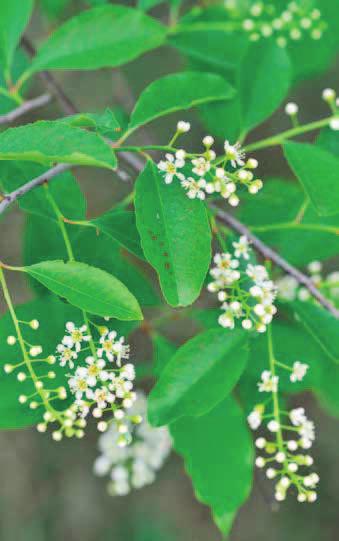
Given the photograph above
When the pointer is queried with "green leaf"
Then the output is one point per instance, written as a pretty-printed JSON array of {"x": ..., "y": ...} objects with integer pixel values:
[
  {"x": 120, "y": 226},
  {"x": 104, "y": 123},
  {"x": 52, "y": 315},
  {"x": 48, "y": 142},
  {"x": 317, "y": 171},
  {"x": 178, "y": 91},
  {"x": 175, "y": 236},
  {"x": 88, "y": 288},
  {"x": 19, "y": 65},
  {"x": 64, "y": 189},
  {"x": 201, "y": 373},
  {"x": 218, "y": 453},
  {"x": 265, "y": 62},
  {"x": 321, "y": 325},
  {"x": 163, "y": 351},
  {"x": 13, "y": 20},
  {"x": 105, "y": 36}
]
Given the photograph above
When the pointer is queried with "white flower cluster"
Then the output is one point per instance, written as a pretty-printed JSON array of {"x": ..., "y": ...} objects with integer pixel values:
[
  {"x": 296, "y": 20},
  {"x": 289, "y": 289},
  {"x": 284, "y": 457},
  {"x": 204, "y": 174},
  {"x": 136, "y": 465},
  {"x": 99, "y": 382},
  {"x": 244, "y": 289}
]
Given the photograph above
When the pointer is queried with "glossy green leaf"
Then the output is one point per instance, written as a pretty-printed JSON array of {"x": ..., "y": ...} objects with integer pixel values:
[
  {"x": 264, "y": 63},
  {"x": 317, "y": 171},
  {"x": 281, "y": 217},
  {"x": 218, "y": 453},
  {"x": 175, "y": 236},
  {"x": 13, "y": 20},
  {"x": 120, "y": 226},
  {"x": 49, "y": 142},
  {"x": 321, "y": 325},
  {"x": 104, "y": 123},
  {"x": 178, "y": 91},
  {"x": 201, "y": 373},
  {"x": 88, "y": 288},
  {"x": 105, "y": 36},
  {"x": 163, "y": 350},
  {"x": 52, "y": 315}
]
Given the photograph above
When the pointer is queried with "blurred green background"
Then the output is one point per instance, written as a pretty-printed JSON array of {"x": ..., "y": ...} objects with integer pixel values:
[{"x": 47, "y": 489}]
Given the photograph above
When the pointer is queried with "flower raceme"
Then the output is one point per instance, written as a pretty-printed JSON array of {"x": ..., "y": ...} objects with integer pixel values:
[
  {"x": 290, "y": 434},
  {"x": 204, "y": 173},
  {"x": 136, "y": 465},
  {"x": 290, "y": 24},
  {"x": 244, "y": 289},
  {"x": 98, "y": 382}
]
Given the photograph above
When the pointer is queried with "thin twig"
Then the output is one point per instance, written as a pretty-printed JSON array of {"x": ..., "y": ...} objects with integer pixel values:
[
  {"x": 270, "y": 254},
  {"x": 9, "y": 198},
  {"x": 29, "y": 105},
  {"x": 48, "y": 79}
]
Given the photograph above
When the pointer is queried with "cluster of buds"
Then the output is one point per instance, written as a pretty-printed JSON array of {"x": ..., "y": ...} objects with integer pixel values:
[
  {"x": 329, "y": 95},
  {"x": 98, "y": 382},
  {"x": 244, "y": 289},
  {"x": 296, "y": 20},
  {"x": 291, "y": 434},
  {"x": 136, "y": 465},
  {"x": 289, "y": 289},
  {"x": 204, "y": 173}
]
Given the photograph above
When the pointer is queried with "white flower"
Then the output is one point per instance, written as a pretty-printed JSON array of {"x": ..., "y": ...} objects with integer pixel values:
[
  {"x": 95, "y": 371},
  {"x": 76, "y": 336},
  {"x": 254, "y": 419},
  {"x": 79, "y": 384},
  {"x": 298, "y": 416},
  {"x": 208, "y": 141},
  {"x": 114, "y": 350},
  {"x": 269, "y": 383},
  {"x": 170, "y": 168},
  {"x": 299, "y": 371},
  {"x": 234, "y": 153},
  {"x": 241, "y": 247},
  {"x": 201, "y": 166},
  {"x": 103, "y": 397},
  {"x": 291, "y": 109},
  {"x": 334, "y": 124},
  {"x": 287, "y": 287},
  {"x": 66, "y": 355},
  {"x": 183, "y": 126},
  {"x": 257, "y": 273},
  {"x": 195, "y": 188},
  {"x": 329, "y": 94},
  {"x": 314, "y": 267}
]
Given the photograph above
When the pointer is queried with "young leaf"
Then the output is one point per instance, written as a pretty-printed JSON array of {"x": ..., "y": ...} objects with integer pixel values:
[
  {"x": 321, "y": 325},
  {"x": 178, "y": 91},
  {"x": 48, "y": 142},
  {"x": 88, "y": 288},
  {"x": 120, "y": 226},
  {"x": 218, "y": 453},
  {"x": 52, "y": 315},
  {"x": 317, "y": 171},
  {"x": 105, "y": 36},
  {"x": 201, "y": 373},
  {"x": 265, "y": 62},
  {"x": 13, "y": 20},
  {"x": 175, "y": 236}
]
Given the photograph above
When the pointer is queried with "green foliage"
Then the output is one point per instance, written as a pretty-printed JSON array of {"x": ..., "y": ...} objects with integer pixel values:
[
  {"x": 88, "y": 288},
  {"x": 120, "y": 226},
  {"x": 53, "y": 314},
  {"x": 317, "y": 170},
  {"x": 105, "y": 36},
  {"x": 175, "y": 236},
  {"x": 46, "y": 142},
  {"x": 12, "y": 23},
  {"x": 178, "y": 91},
  {"x": 218, "y": 454},
  {"x": 199, "y": 376}
]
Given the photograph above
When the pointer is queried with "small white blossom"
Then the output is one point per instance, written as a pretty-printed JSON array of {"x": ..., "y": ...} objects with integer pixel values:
[
  {"x": 170, "y": 168},
  {"x": 234, "y": 153},
  {"x": 241, "y": 247},
  {"x": 269, "y": 383},
  {"x": 298, "y": 372}
]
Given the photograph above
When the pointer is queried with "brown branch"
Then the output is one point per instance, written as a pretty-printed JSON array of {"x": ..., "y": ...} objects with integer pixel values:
[
  {"x": 271, "y": 255},
  {"x": 8, "y": 199},
  {"x": 29, "y": 105}
]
